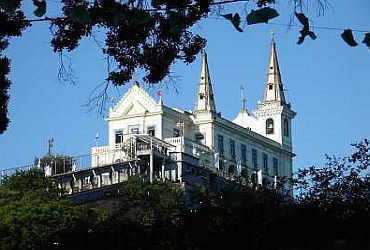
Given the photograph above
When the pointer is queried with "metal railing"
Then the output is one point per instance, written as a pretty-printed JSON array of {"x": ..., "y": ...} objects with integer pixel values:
[
  {"x": 57, "y": 165},
  {"x": 13, "y": 170}
]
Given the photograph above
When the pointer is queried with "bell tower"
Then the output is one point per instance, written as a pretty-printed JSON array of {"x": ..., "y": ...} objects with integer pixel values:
[{"x": 274, "y": 113}]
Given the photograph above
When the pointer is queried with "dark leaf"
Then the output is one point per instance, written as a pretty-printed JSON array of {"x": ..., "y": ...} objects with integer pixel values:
[
  {"x": 305, "y": 31},
  {"x": 262, "y": 15},
  {"x": 348, "y": 38},
  {"x": 117, "y": 15},
  {"x": 302, "y": 19},
  {"x": 8, "y": 5},
  {"x": 176, "y": 22},
  {"x": 301, "y": 39},
  {"x": 234, "y": 19},
  {"x": 228, "y": 16},
  {"x": 312, "y": 35},
  {"x": 41, "y": 8},
  {"x": 366, "y": 40},
  {"x": 142, "y": 18},
  {"x": 79, "y": 14}
]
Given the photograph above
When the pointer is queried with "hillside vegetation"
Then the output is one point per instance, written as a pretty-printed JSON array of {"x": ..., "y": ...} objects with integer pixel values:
[{"x": 330, "y": 211}]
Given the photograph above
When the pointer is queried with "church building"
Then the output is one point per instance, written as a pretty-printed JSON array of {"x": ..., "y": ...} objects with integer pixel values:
[{"x": 256, "y": 145}]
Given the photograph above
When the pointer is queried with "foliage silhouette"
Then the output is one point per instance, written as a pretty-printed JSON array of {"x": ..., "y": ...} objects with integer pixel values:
[
  {"x": 139, "y": 34},
  {"x": 33, "y": 216},
  {"x": 331, "y": 211}
]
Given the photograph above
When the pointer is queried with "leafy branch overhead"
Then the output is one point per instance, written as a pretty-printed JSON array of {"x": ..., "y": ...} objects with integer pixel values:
[{"x": 139, "y": 34}]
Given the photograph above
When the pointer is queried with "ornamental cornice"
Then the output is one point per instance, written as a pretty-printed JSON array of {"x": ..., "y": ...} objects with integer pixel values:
[
  {"x": 267, "y": 111},
  {"x": 144, "y": 114},
  {"x": 183, "y": 115}
]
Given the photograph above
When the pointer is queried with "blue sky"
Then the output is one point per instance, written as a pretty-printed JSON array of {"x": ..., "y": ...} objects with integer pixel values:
[{"x": 327, "y": 83}]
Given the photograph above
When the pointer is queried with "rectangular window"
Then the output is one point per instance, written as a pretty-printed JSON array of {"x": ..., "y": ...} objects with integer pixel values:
[
  {"x": 286, "y": 128},
  {"x": 176, "y": 132},
  {"x": 151, "y": 130},
  {"x": 134, "y": 130},
  {"x": 254, "y": 158},
  {"x": 243, "y": 153},
  {"x": 118, "y": 135},
  {"x": 232, "y": 149},
  {"x": 275, "y": 166},
  {"x": 265, "y": 163},
  {"x": 199, "y": 138},
  {"x": 220, "y": 143}
]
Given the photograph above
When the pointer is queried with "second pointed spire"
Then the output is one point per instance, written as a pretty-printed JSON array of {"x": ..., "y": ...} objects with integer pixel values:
[{"x": 273, "y": 86}]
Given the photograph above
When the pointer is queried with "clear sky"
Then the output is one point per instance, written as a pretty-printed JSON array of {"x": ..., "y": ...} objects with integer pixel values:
[{"x": 327, "y": 83}]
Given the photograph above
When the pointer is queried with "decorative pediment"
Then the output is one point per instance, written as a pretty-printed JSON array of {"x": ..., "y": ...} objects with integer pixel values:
[
  {"x": 134, "y": 108},
  {"x": 136, "y": 101}
]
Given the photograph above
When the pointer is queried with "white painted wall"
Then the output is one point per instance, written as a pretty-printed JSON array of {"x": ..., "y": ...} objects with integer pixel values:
[{"x": 137, "y": 108}]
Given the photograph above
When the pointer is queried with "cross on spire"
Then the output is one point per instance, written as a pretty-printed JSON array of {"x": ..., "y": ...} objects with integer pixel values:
[
  {"x": 272, "y": 33},
  {"x": 242, "y": 97}
]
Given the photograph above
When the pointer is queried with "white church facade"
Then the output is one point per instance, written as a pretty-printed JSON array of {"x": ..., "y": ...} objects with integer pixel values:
[{"x": 257, "y": 143}]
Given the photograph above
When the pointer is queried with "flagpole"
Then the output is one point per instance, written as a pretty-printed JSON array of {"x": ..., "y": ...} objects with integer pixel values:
[{"x": 160, "y": 94}]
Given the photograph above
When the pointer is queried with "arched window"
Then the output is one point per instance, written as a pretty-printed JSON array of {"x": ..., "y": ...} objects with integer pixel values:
[
  {"x": 286, "y": 128},
  {"x": 269, "y": 126}
]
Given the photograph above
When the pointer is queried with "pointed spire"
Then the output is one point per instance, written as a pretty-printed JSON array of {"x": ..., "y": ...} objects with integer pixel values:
[
  {"x": 204, "y": 100},
  {"x": 273, "y": 86}
]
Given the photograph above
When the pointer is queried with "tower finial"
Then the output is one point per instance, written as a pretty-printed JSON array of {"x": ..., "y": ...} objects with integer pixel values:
[{"x": 272, "y": 33}]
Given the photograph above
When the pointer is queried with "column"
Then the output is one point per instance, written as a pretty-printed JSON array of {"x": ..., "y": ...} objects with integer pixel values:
[
  {"x": 162, "y": 173},
  {"x": 151, "y": 162}
]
